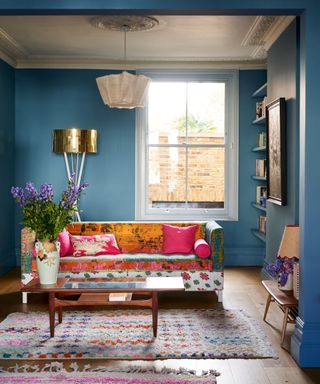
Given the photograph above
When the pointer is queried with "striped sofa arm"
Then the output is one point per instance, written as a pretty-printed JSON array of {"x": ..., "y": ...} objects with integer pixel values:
[{"x": 214, "y": 236}]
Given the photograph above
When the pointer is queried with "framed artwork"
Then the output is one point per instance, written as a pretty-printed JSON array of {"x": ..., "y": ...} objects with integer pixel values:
[{"x": 276, "y": 152}]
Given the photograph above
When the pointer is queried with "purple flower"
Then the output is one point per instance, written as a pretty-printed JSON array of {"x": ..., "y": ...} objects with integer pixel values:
[
  {"x": 283, "y": 278},
  {"x": 19, "y": 195},
  {"x": 30, "y": 191},
  {"x": 41, "y": 214},
  {"x": 71, "y": 195},
  {"x": 282, "y": 266},
  {"x": 46, "y": 192}
]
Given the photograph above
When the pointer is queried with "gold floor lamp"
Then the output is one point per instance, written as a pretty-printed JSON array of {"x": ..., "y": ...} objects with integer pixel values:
[{"x": 74, "y": 143}]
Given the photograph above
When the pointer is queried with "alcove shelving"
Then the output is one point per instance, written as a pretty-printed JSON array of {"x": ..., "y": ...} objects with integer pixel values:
[{"x": 260, "y": 175}]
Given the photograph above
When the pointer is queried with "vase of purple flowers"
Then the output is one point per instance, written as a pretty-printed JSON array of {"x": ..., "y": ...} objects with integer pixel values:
[
  {"x": 47, "y": 219},
  {"x": 283, "y": 269}
]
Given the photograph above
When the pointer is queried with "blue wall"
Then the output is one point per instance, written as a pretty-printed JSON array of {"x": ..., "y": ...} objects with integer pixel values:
[
  {"x": 7, "y": 257},
  {"x": 282, "y": 67},
  {"x": 52, "y": 99},
  {"x": 305, "y": 344}
]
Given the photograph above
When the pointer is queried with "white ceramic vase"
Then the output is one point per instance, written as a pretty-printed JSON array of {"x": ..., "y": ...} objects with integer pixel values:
[
  {"x": 48, "y": 258},
  {"x": 289, "y": 284}
]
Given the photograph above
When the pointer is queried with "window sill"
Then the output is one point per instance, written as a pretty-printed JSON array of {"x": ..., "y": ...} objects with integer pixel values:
[{"x": 175, "y": 216}]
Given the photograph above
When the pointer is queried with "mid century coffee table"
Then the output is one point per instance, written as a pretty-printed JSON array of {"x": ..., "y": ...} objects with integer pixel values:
[{"x": 95, "y": 291}]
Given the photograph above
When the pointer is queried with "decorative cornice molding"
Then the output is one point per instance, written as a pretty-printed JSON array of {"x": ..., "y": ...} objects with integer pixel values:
[
  {"x": 259, "y": 28},
  {"x": 264, "y": 31},
  {"x": 7, "y": 59},
  {"x": 259, "y": 53},
  {"x": 10, "y": 48},
  {"x": 276, "y": 29}
]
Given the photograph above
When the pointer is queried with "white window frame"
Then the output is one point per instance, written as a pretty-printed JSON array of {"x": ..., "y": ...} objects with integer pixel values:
[{"x": 230, "y": 210}]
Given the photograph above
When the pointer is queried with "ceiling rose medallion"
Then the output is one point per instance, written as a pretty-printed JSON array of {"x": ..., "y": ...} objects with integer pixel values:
[{"x": 118, "y": 23}]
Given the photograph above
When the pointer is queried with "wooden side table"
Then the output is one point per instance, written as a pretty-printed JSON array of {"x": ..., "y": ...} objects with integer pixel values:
[{"x": 287, "y": 303}]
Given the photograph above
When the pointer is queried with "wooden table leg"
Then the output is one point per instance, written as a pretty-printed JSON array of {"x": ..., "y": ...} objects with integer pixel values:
[
  {"x": 267, "y": 307},
  {"x": 51, "y": 312},
  {"x": 60, "y": 314},
  {"x": 284, "y": 325},
  {"x": 155, "y": 313}
]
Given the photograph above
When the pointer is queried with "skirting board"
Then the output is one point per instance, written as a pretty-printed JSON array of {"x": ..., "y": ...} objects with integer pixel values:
[
  {"x": 244, "y": 256},
  {"x": 305, "y": 346}
]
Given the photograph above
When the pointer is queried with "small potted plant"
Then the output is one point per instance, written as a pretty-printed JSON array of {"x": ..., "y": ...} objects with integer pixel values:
[
  {"x": 283, "y": 268},
  {"x": 47, "y": 219}
]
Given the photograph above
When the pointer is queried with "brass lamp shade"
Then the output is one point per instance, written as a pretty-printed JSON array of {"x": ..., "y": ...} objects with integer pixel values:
[
  {"x": 289, "y": 246},
  {"x": 91, "y": 140},
  {"x": 74, "y": 140},
  {"x": 124, "y": 90}
]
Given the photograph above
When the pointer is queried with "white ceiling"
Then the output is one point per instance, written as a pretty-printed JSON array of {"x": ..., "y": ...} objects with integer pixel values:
[{"x": 71, "y": 41}]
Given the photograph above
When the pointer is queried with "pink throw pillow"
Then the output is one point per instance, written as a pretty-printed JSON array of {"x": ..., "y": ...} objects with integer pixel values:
[
  {"x": 178, "y": 239},
  {"x": 202, "y": 249},
  {"x": 95, "y": 245},
  {"x": 66, "y": 248}
]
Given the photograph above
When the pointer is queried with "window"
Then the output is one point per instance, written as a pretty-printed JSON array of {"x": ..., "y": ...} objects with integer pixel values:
[{"x": 186, "y": 146}]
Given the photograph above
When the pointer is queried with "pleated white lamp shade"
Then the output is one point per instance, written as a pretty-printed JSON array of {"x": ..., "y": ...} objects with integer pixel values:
[{"x": 123, "y": 90}]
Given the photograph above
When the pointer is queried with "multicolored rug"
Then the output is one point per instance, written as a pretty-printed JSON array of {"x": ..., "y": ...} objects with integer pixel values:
[
  {"x": 54, "y": 373},
  {"x": 127, "y": 334}
]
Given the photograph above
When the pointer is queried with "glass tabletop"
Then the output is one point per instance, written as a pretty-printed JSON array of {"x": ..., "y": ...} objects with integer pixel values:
[{"x": 104, "y": 284}]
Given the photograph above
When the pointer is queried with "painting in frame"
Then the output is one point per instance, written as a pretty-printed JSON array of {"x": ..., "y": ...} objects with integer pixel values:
[{"x": 276, "y": 152}]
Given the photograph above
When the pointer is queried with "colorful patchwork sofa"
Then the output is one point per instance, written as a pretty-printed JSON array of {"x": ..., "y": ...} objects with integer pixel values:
[{"x": 141, "y": 245}]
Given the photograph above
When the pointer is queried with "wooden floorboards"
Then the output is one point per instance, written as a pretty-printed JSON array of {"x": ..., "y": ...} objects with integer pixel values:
[{"x": 243, "y": 290}]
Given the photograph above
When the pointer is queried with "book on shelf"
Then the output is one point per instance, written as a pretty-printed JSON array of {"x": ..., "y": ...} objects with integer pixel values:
[
  {"x": 261, "y": 167},
  {"x": 261, "y": 192},
  {"x": 259, "y": 106},
  {"x": 263, "y": 107},
  {"x": 120, "y": 296},
  {"x": 261, "y": 142},
  {"x": 262, "y": 221}
]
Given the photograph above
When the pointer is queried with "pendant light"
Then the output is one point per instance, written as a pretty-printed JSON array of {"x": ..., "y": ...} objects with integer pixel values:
[{"x": 124, "y": 90}]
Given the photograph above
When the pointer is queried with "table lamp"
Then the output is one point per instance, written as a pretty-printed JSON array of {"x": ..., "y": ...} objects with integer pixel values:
[{"x": 290, "y": 247}]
